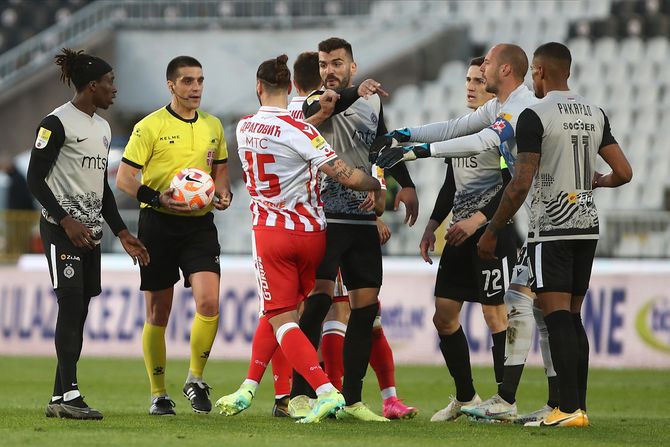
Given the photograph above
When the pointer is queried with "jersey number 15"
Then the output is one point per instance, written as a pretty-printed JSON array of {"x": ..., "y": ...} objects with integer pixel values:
[{"x": 257, "y": 171}]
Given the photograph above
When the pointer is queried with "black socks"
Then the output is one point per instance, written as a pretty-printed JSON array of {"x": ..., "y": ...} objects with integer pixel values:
[
  {"x": 357, "y": 345},
  {"x": 456, "y": 354},
  {"x": 564, "y": 346}
]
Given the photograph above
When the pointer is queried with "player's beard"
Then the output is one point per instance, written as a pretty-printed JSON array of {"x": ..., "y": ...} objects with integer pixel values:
[
  {"x": 491, "y": 86},
  {"x": 343, "y": 83},
  {"x": 492, "y": 82}
]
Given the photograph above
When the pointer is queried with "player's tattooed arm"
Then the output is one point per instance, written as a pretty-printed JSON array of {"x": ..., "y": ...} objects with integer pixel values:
[
  {"x": 342, "y": 170},
  {"x": 516, "y": 191},
  {"x": 350, "y": 177}
]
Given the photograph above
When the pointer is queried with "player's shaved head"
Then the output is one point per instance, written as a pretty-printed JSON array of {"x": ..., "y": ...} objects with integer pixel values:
[
  {"x": 515, "y": 57},
  {"x": 555, "y": 58}
]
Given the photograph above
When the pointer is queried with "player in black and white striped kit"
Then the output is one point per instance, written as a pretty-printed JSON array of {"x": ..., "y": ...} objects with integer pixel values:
[
  {"x": 557, "y": 143},
  {"x": 68, "y": 176}
]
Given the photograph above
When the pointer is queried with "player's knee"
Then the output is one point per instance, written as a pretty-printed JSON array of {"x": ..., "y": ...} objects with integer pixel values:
[
  {"x": 444, "y": 324},
  {"x": 207, "y": 306},
  {"x": 158, "y": 315},
  {"x": 495, "y": 317}
]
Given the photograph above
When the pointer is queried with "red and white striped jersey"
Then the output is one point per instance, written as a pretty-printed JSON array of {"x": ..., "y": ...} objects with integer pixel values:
[
  {"x": 295, "y": 107},
  {"x": 280, "y": 159}
]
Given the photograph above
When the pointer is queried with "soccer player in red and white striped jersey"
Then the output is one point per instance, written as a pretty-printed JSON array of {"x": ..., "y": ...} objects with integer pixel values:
[{"x": 281, "y": 158}]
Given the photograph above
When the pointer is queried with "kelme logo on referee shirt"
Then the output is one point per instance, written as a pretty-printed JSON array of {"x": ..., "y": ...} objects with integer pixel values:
[{"x": 653, "y": 323}]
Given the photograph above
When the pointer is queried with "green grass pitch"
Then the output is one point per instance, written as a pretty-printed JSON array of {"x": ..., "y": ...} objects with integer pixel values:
[{"x": 626, "y": 408}]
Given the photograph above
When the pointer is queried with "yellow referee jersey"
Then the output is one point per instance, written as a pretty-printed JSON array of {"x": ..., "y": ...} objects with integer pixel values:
[{"x": 163, "y": 143}]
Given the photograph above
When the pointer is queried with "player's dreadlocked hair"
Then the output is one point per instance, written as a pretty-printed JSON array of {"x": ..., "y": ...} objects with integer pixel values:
[
  {"x": 274, "y": 73},
  {"x": 79, "y": 68},
  {"x": 306, "y": 71}
]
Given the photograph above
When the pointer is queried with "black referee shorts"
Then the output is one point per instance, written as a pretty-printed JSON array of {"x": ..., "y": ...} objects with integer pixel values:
[
  {"x": 464, "y": 276},
  {"x": 189, "y": 243},
  {"x": 561, "y": 266},
  {"x": 356, "y": 250},
  {"x": 69, "y": 266}
]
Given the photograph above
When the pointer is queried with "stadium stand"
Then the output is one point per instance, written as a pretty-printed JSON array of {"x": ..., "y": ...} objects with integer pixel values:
[
  {"x": 620, "y": 51},
  {"x": 22, "y": 19}
]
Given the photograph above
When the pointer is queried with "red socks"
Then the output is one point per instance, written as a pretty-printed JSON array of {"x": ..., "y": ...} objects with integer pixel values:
[
  {"x": 263, "y": 347},
  {"x": 281, "y": 371},
  {"x": 381, "y": 359},
  {"x": 301, "y": 354},
  {"x": 332, "y": 346}
]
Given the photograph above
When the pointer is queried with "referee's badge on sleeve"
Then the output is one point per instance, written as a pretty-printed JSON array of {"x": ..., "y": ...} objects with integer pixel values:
[{"x": 43, "y": 136}]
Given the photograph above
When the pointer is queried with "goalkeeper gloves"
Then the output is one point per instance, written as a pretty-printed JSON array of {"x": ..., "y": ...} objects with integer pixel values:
[
  {"x": 391, "y": 156},
  {"x": 387, "y": 140}
]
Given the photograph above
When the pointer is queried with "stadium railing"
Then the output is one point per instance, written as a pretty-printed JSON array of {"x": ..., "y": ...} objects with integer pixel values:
[
  {"x": 19, "y": 234},
  {"x": 98, "y": 17}
]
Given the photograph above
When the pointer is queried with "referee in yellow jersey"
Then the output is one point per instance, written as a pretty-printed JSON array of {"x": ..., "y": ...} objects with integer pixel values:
[{"x": 168, "y": 140}]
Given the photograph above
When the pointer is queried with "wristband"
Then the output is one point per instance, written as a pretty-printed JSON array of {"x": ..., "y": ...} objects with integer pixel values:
[{"x": 149, "y": 196}]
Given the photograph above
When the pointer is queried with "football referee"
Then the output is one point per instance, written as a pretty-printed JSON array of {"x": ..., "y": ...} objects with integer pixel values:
[{"x": 166, "y": 141}]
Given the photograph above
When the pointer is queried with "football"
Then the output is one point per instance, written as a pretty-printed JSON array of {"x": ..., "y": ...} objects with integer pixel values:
[{"x": 193, "y": 186}]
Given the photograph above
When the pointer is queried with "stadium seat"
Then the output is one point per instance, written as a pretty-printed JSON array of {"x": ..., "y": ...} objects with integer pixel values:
[
  {"x": 453, "y": 70},
  {"x": 580, "y": 48},
  {"x": 606, "y": 49},
  {"x": 646, "y": 117},
  {"x": 657, "y": 50},
  {"x": 631, "y": 49}
]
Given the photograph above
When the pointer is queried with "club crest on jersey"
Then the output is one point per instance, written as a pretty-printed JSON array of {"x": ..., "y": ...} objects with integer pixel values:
[
  {"x": 105, "y": 141},
  {"x": 68, "y": 271},
  {"x": 373, "y": 118},
  {"x": 43, "y": 136}
]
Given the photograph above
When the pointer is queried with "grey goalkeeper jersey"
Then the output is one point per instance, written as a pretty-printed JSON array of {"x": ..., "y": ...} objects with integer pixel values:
[
  {"x": 490, "y": 126},
  {"x": 350, "y": 134},
  {"x": 477, "y": 179},
  {"x": 567, "y": 131}
]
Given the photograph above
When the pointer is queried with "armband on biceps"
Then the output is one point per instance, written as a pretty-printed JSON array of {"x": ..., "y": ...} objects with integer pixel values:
[{"x": 503, "y": 128}]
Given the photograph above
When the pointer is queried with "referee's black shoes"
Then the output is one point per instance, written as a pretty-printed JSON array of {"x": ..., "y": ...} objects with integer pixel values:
[
  {"x": 198, "y": 394},
  {"x": 162, "y": 406}
]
